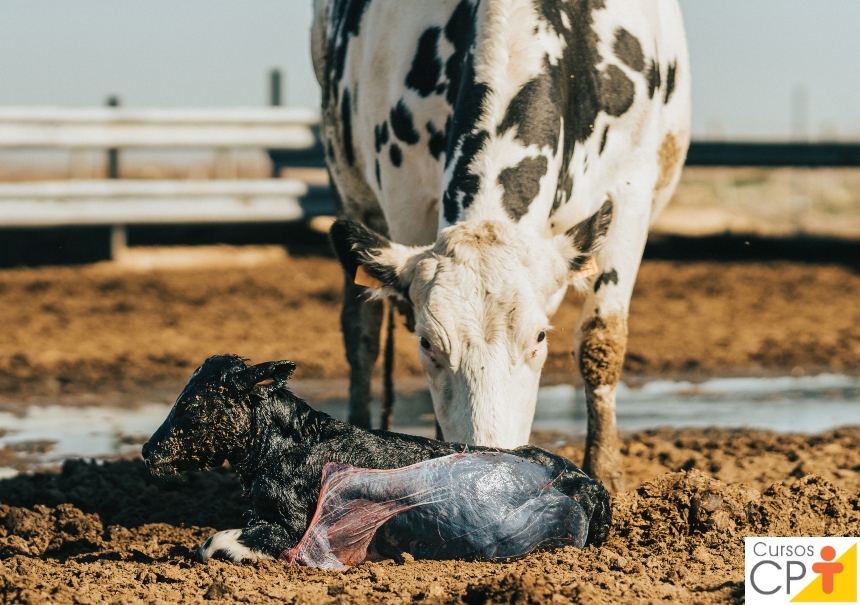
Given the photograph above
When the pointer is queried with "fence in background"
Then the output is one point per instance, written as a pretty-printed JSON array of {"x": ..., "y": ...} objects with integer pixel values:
[
  {"x": 798, "y": 155},
  {"x": 120, "y": 202},
  {"x": 291, "y": 137}
]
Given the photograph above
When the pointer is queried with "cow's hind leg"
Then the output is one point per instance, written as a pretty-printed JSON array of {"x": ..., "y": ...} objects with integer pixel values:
[
  {"x": 601, "y": 336},
  {"x": 360, "y": 320}
]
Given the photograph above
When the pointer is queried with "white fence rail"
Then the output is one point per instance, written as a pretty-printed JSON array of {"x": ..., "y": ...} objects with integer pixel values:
[
  {"x": 116, "y": 202},
  {"x": 61, "y": 203},
  {"x": 72, "y": 128}
]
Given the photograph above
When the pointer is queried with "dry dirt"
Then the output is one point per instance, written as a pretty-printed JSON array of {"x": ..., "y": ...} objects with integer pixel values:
[
  {"x": 91, "y": 329},
  {"x": 111, "y": 533}
]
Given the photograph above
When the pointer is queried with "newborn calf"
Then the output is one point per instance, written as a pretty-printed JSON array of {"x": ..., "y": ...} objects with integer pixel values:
[{"x": 278, "y": 446}]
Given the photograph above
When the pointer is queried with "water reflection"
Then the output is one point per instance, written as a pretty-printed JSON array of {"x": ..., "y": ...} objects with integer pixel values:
[{"x": 46, "y": 435}]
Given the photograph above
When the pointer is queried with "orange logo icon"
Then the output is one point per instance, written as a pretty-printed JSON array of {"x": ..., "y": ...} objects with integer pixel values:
[{"x": 836, "y": 581}]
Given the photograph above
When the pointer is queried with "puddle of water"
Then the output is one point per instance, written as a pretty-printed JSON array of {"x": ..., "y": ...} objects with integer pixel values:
[{"x": 795, "y": 405}]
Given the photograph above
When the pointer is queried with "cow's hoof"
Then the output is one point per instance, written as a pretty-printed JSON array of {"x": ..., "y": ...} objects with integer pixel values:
[{"x": 609, "y": 473}]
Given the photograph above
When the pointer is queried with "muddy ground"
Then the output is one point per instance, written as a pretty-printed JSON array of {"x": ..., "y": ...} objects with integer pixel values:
[
  {"x": 111, "y": 533},
  {"x": 101, "y": 329}
]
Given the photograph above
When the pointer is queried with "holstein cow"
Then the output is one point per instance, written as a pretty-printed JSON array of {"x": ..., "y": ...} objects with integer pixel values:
[{"x": 468, "y": 141}]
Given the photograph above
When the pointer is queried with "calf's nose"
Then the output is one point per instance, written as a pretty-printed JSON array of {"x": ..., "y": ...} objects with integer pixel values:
[{"x": 146, "y": 450}]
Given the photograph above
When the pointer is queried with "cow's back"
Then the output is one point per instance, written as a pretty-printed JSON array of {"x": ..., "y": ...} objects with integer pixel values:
[{"x": 402, "y": 93}]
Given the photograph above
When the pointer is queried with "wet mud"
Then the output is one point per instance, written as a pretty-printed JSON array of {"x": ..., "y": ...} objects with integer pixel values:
[{"x": 110, "y": 532}]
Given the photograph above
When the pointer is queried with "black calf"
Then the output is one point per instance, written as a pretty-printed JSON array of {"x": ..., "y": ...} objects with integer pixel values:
[{"x": 278, "y": 445}]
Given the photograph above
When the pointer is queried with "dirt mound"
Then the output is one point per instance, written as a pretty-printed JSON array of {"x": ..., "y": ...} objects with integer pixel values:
[
  {"x": 125, "y": 493},
  {"x": 111, "y": 533},
  {"x": 45, "y": 531}
]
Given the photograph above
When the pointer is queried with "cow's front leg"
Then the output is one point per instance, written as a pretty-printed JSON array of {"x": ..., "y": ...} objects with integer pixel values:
[
  {"x": 603, "y": 342},
  {"x": 601, "y": 336},
  {"x": 255, "y": 542},
  {"x": 360, "y": 320}
]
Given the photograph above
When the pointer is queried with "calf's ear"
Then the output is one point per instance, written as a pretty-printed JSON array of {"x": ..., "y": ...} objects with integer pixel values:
[
  {"x": 264, "y": 374},
  {"x": 582, "y": 241},
  {"x": 372, "y": 260}
]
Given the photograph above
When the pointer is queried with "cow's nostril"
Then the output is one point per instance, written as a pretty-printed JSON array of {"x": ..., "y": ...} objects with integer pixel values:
[{"x": 146, "y": 450}]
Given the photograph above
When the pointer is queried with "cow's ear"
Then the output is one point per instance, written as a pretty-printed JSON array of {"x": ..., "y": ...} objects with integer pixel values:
[
  {"x": 582, "y": 241},
  {"x": 372, "y": 260},
  {"x": 265, "y": 374}
]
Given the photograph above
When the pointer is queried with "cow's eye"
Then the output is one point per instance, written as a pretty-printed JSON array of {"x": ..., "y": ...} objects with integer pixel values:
[
  {"x": 541, "y": 336},
  {"x": 425, "y": 344}
]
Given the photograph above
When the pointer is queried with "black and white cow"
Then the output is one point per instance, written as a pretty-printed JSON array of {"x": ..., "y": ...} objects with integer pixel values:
[{"x": 478, "y": 136}]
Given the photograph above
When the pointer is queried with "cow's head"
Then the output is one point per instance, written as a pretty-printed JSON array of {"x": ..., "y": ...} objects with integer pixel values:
[
  {"x": 482, "y": 297},
  {"x": 211, "y": 419}
]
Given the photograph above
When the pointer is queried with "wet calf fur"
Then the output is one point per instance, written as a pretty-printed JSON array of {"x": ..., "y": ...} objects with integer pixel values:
[{"x": 245, "y": 415}]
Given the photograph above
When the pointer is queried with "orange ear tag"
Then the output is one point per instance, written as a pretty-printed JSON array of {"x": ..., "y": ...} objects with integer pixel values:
[
  {"x": 363, "y": 278},
  {"x": 588, "y": 269}
]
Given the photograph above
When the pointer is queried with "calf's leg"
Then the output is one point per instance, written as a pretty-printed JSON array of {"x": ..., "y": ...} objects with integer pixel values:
[
  {"x": 360, "y": 321},
  {"x": 255, "y": 542}
]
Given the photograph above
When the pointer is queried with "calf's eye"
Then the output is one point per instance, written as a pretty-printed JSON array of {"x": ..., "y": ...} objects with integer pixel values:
[
  {"x": 425, "y": 344},
  {"x": 541, "y": 336}
]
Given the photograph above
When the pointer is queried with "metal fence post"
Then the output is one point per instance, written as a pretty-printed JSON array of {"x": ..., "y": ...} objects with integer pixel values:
[
  {"x": 113, "y": 154},
  {"x": 275, "y": 87}
]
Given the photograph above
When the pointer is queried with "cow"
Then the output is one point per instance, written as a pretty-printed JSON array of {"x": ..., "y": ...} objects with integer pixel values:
[{"x": 483, "y": 154}]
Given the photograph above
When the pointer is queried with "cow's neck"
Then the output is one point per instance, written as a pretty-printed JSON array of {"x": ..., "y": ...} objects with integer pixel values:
[{"x": 504, "y": 155}]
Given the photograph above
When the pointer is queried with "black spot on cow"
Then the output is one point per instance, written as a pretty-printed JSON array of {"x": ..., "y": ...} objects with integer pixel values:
[
  {"x": 563, "y": 190},
  {"x": 603, "y": 140},
  {"x": 467, "y": 97},
  {"x": 438, "y": 140},
  {"x": 670, "y": 81},
  {"x": 464, "y": 184},
  {"x": 402, "y": 124},
  {"x": 345, "y": 22},
  {"x": 380, "y": 136},
  {"x": 586, "y": 91},
  {"x": 580, "y": 100},
  {"x": 423, "y": 77},
  {"x": 468, "y": 107},
  {"x": 346, "y": 124},
  {"x": 617, "y": 91},
  {"x": 460, "y": 32},
  {"x": 395, "y": 154},
  {"x": 610, "y": 277},
  {"x": 535, "y": 111},
  {"x": 441, "y": 88},
  {"x": 521, "y": 184},
  {"x": 629, "y": 50},
  {"x": 378, "y": 177},
  {"x": 653, "y": 78}
]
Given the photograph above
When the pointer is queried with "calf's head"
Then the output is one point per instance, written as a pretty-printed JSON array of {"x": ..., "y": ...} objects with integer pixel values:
[
  {"x": 211, "y": 419},
  {"x": 482, "y": 296}
]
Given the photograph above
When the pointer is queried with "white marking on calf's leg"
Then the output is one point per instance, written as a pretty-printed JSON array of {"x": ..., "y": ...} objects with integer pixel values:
[{"x": 227, "y": 544}]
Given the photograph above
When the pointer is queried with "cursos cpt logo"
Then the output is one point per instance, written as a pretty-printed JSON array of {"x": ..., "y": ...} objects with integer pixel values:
[{"x": 800, "y": 570}]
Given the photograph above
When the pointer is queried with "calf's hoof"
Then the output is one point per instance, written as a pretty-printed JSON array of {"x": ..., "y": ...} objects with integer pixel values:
[{"x": 227, "y": 545}]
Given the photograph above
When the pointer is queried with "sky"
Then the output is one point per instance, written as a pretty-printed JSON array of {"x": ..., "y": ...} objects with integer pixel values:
[{"x": 750, "y": 58}]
